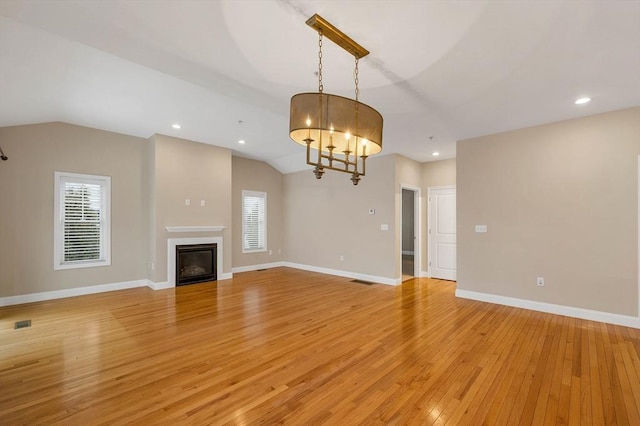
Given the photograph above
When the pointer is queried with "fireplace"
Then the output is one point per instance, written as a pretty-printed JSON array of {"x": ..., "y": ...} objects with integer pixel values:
[
  {"x": 173, "y": 243},
  {"x": 196, "y": 263}
]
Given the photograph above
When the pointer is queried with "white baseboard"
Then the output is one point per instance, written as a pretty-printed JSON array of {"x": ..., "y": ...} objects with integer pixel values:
[
  {"x": 159, "y": 286},
  {"x": 346, "y": 274},
  {"x": 425, "y": 274},
  {"x": 256, "y": 267},
  {"x": 568, "y": 311},
  {"x": 407, "y": 252},
  {"x": 71, "y": 292}
]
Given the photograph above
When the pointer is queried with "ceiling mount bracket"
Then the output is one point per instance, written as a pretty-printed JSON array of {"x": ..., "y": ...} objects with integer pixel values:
[{"x": 335, "y": 35}]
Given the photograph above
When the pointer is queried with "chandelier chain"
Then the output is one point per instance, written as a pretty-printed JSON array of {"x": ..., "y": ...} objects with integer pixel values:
[
  {"x": 355, "y": 78},
  {"x": 320, "y": 86}
]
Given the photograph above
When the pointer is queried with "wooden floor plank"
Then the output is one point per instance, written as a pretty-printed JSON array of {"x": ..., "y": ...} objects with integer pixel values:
[
  {"x": 501, "y": 404},
  {"x": 596, "y": 384},
  {"x": 564, "y": 399},
  {"x": 296, "y": 347},
  {"x": 605, "y": 375},
  {"x": 585, "y": 380},
  {"x": 518, "y": 402},
  {"x": 495, "y": 370},
  {"x": 554, "y": 386}
]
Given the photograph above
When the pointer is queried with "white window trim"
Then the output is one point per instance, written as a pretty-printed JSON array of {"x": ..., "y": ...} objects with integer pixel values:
[
  {"x": 58, "y": 228},
  {"x": 263, "y": 195}
]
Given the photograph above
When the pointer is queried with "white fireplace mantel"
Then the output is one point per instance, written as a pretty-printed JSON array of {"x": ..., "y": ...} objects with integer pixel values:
[{"x": 213, "y": 228}]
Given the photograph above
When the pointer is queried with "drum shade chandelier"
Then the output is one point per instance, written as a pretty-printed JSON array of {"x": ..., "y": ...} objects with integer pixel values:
[{"x": 343, "y": 131}]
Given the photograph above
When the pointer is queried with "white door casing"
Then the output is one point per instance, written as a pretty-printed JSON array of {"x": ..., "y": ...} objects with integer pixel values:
[{"x": 442, "y": 232}]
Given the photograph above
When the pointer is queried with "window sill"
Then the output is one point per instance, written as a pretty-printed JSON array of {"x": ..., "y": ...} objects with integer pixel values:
[{"x": 79, "y": 265}]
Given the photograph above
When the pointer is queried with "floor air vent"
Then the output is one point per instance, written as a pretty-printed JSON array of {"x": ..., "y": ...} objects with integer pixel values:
[
  {"x": 22, "y": 324},
  {"x": 362, "y": 282}
]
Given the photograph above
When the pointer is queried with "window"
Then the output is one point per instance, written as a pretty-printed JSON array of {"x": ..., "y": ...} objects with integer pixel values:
[
  {"x": 254, "y": 221},
  {"x": 82, "y": 216}
]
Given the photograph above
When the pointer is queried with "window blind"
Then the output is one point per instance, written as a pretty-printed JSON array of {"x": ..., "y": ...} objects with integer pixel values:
[
  {"x": 82, "y": 221},
  {"x": 83, "y": 204},
  {"x": 254, "y": 221}
]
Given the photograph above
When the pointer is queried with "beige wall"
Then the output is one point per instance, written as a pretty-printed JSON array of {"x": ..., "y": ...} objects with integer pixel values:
[
  {"x": 152, "y": 177},
  {"x": 434, "y": 173},
  {"x": 439, "y": 173},
  {"x": 189, "y": 170},
  {"x": 255, "y": 175},
  {"x": 149, "y": 203},
  {"x": 328, "y": 218},
  {"x": 26, "y": 204},
  {"x": 561, "y": 202}
]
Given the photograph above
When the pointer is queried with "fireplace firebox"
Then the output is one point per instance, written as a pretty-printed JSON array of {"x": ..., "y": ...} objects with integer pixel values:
[{"x": 196, "y": 263}]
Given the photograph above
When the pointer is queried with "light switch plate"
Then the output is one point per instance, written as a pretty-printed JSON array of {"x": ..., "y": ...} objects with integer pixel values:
[{"x": 384, "y": 227}]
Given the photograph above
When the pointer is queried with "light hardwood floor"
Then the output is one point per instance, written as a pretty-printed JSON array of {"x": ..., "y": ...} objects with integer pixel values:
[{"x": 287, "y": 346}]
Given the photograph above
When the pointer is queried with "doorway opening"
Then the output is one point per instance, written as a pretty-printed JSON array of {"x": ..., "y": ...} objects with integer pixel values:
[{"x": 410, "y": 215}]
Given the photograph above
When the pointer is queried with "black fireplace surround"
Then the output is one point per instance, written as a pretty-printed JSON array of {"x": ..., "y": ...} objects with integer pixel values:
[{"x": 196, "y": 263}]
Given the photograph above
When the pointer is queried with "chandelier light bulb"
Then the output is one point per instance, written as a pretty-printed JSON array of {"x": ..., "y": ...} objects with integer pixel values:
[{"x": 308, "y": 122}]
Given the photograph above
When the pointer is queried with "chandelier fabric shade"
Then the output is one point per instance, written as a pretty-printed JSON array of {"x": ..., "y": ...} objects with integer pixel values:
[
  {"x": 335, "y": 121},
  {"x": 343, "y": 131}
]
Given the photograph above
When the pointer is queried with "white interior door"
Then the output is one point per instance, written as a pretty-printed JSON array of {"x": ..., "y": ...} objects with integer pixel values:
[{"x": 442, "y": 233}]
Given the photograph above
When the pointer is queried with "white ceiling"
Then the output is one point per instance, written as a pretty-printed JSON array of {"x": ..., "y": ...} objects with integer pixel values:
[{"x": 451, "y": 70}]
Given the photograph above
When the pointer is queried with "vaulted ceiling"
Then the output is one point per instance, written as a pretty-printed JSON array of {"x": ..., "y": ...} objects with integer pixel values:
[{"x": 225, "y": 70}]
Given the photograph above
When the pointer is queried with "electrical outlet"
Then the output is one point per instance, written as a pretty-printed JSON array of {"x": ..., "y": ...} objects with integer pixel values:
[
  {"x": 279, "y": 251},
  {"x": 540, "y": 281},
  {"x": 341, "y": 258},
  {"x": 270, "y": 252}
]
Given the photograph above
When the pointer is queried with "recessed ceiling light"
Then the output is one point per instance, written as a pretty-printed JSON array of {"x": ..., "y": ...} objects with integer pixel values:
[
  {"x": 176, "y": 126},
  {"x": 241, "y": 141},
  {"x": 582, "y": 101},
  {"x": 435, "y": 154}
]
